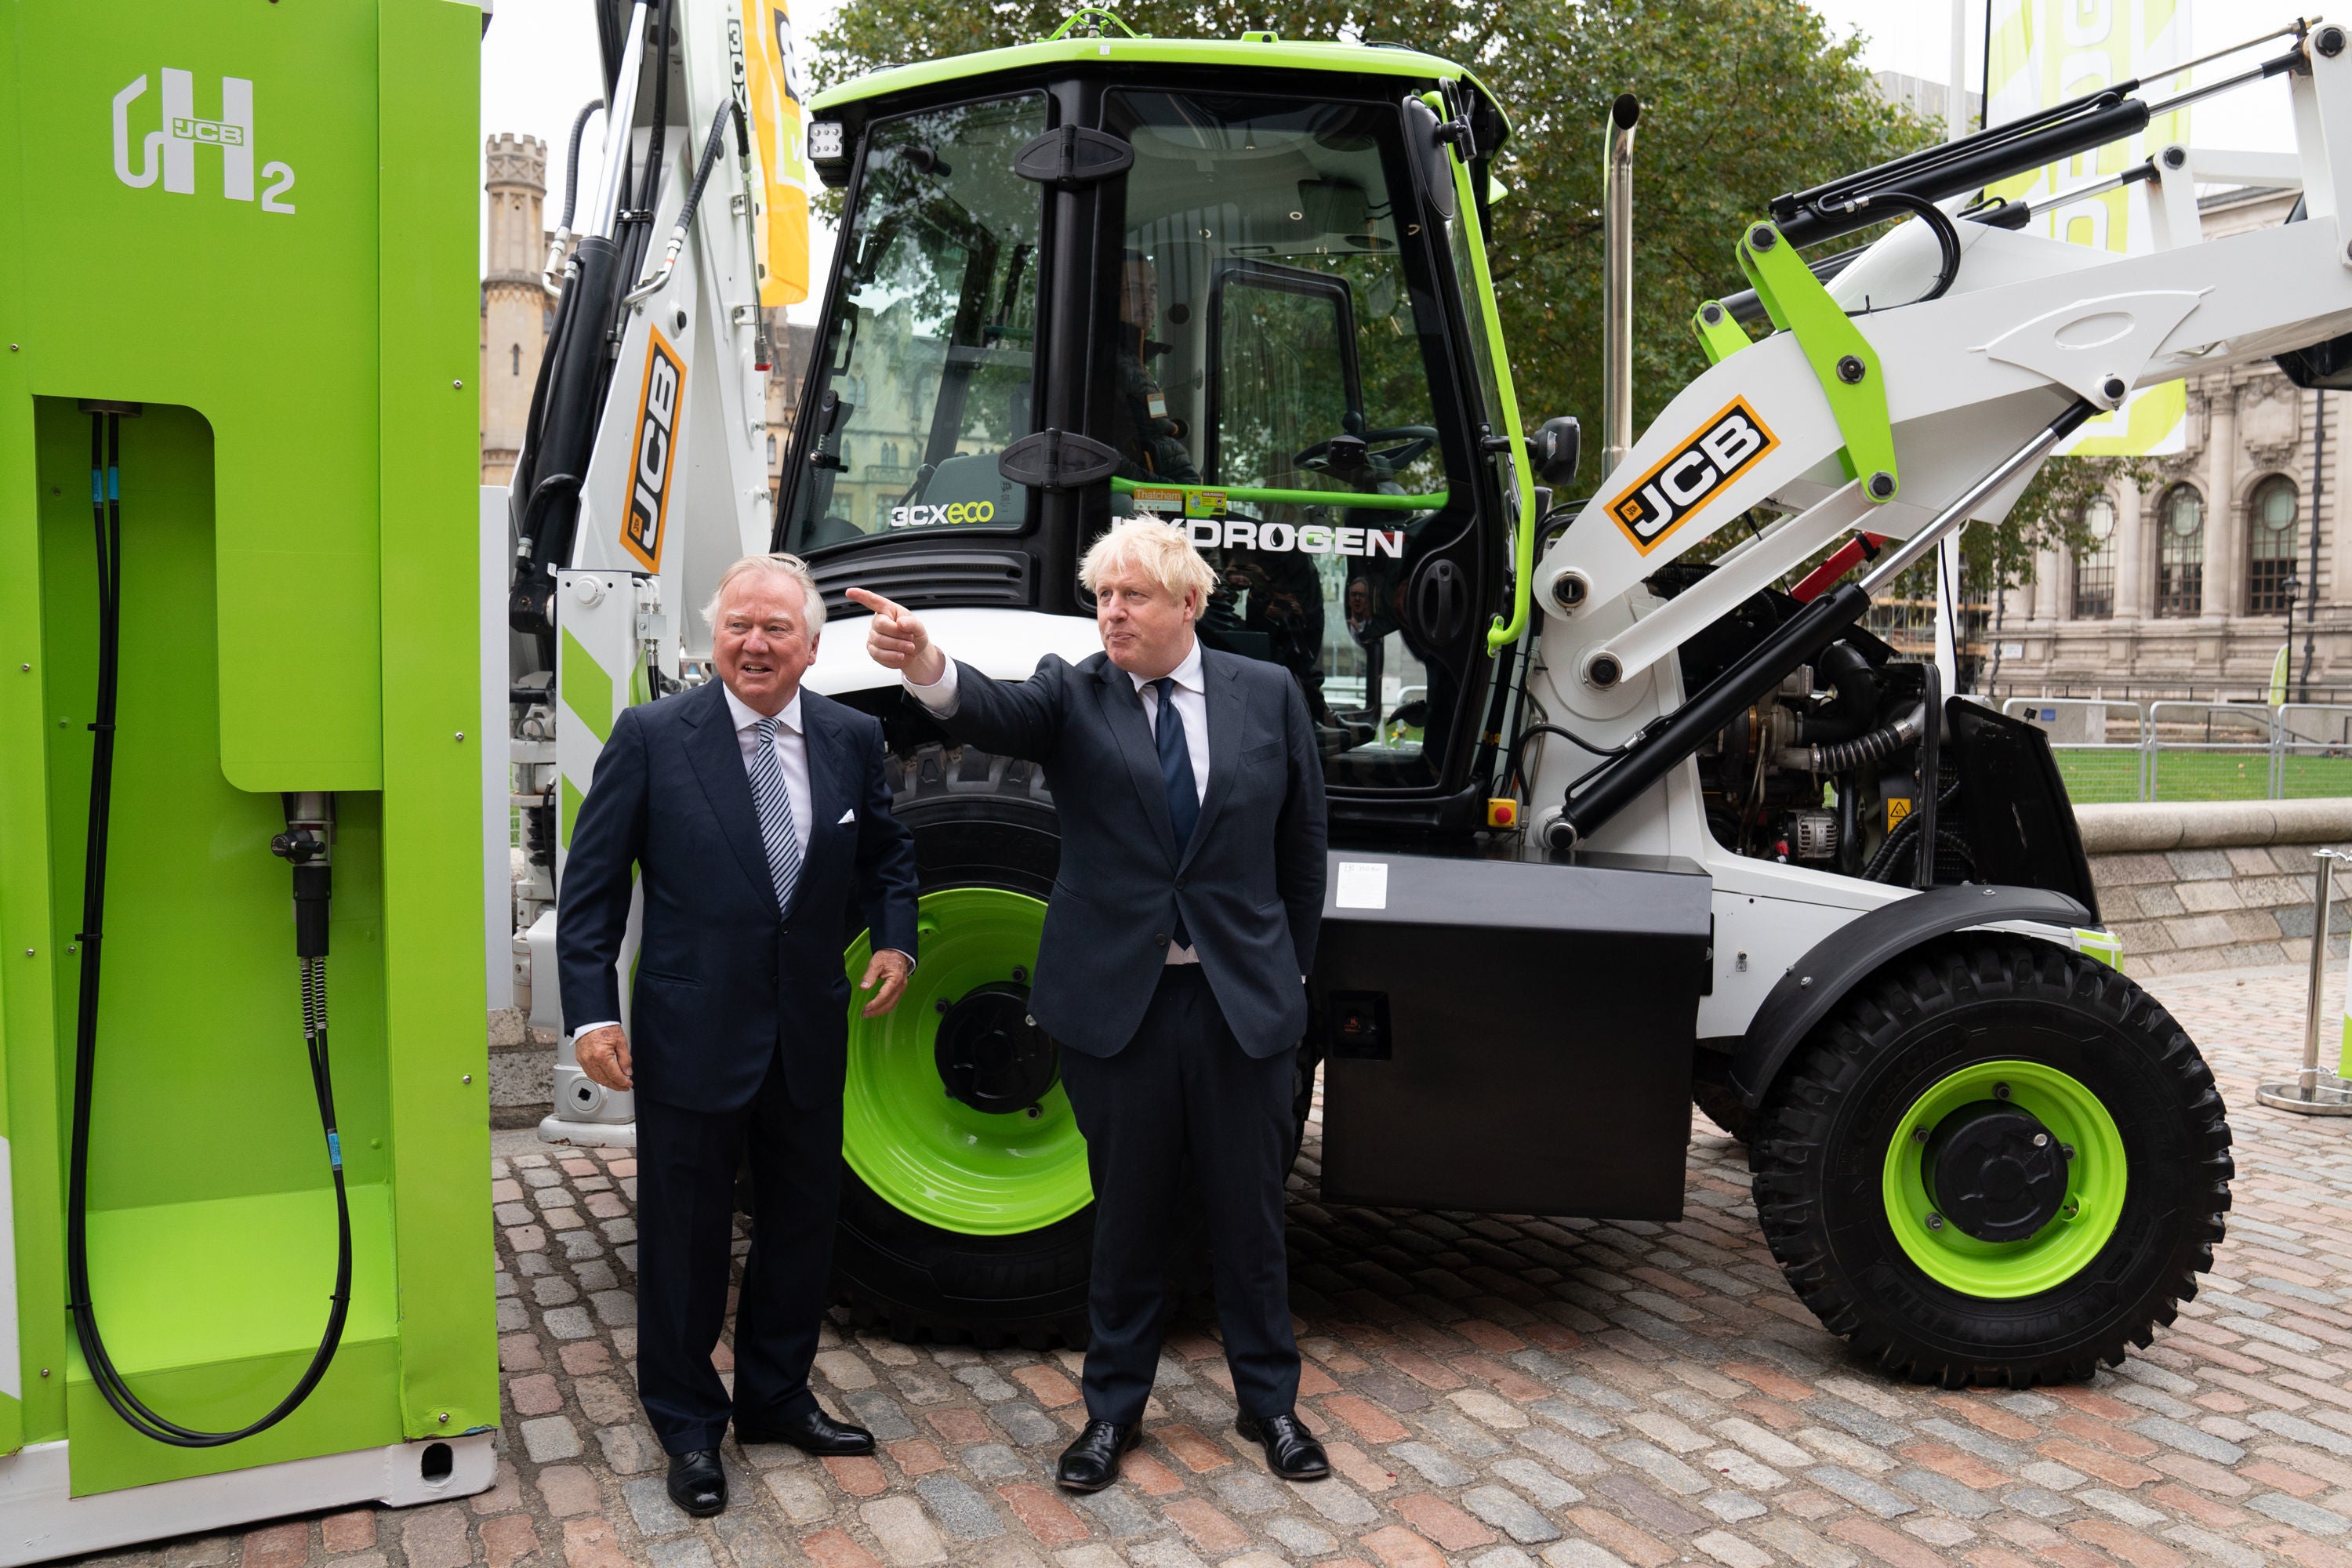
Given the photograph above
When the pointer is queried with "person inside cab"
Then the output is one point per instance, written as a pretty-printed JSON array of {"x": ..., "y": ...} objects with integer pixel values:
[{"x": 1149, "y": 441}]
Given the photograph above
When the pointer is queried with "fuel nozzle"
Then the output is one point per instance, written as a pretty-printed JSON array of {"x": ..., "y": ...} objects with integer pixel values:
[{"x": 305, "y": 845}]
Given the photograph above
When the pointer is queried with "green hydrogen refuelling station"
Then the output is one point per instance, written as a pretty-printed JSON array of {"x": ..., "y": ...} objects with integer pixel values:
[{"x": 246, "y": 1256}]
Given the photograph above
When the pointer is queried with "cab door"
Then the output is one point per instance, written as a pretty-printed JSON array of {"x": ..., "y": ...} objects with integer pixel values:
[{"x": 1276, "y": 366}]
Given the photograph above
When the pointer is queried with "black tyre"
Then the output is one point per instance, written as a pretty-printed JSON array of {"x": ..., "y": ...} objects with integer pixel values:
[
  {"x": 1999, "y": 1161},
  {"x": 1712, "y": 1092}
]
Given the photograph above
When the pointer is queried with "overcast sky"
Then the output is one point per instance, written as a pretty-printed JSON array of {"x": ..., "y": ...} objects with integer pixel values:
[{"x": 539, "y": 65}]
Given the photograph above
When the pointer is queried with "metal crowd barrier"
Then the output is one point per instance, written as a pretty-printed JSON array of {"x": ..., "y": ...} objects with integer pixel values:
[{"x": 2110, "y": 751}]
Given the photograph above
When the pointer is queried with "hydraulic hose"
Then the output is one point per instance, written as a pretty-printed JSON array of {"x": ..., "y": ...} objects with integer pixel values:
[
  {"x": 310, "y": 893},
  {"x": 714, "y": 143},
  {"x": 572, "y": 161},
  {"x": 1845, "y": 756},
  {"x": 561, "y": 241}
]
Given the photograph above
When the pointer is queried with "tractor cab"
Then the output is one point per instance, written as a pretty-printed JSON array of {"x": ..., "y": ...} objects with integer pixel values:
[{"x": 1229, "y": 284}]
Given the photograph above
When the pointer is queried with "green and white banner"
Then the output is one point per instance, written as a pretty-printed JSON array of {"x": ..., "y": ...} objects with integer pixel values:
[{"x": 2044, "y": 52}]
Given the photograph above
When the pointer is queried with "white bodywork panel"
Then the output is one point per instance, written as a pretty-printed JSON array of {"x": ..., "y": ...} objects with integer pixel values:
[{"x": 46, "y": 1520}]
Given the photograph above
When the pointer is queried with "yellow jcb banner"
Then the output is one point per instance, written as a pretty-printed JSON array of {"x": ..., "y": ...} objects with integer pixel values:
[{"x": 772, "y": 82}]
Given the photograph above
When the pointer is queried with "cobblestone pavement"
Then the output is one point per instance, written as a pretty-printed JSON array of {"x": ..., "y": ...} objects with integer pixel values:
[{"x": 1494, "y": 1391}]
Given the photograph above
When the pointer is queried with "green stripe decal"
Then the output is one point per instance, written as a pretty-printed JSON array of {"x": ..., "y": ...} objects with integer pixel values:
[
  {"x": 571, "y": 799},
  {"x": 587, "y": 689},
  {"x": 1432, "y": 502}
]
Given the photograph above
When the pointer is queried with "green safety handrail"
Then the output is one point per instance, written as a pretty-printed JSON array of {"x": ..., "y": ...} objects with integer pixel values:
[
  {"x": 1375, "y": 501},
  {"x": 1502, "y": 634}
]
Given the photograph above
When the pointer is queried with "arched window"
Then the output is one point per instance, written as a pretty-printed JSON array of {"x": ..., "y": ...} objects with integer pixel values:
[
  {"x": 2095, "y": 568},
  {"x": 2180, "y": 552},
  {"x": 2269, "y": 547},
  {"x": 515, "y": 350}
]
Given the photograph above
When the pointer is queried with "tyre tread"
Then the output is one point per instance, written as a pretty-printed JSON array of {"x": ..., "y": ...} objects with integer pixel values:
[{"x": 1788, "y": 1145}]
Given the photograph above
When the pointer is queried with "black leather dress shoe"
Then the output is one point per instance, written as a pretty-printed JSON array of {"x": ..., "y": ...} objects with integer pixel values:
[
  {"x": 811, "y": 1432},
  {"x": 1091, "y": 1462},
  {"x": 696, "y": 1484},
  {"x": 1291, "y": 1451}
]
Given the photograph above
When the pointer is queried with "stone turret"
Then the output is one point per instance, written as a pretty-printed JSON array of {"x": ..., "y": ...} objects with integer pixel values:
[{"x": 515, "y": 302}]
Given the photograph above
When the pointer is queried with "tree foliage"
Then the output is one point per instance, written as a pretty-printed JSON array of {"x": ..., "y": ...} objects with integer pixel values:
[{"x": 1741, "y": 101}]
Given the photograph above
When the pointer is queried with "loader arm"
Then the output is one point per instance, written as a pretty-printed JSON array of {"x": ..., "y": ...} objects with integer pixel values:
[{"x": 1882, "y": 420}]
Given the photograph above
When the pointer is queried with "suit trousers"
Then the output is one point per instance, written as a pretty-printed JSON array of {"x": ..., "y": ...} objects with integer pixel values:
[
  {"x": 1180, "y": 1097},
  {"x": 687, "y": 1161}
]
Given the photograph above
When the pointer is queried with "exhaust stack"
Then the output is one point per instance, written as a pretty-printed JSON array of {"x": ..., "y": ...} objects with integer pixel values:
[{"x": 1617, "y": 283}]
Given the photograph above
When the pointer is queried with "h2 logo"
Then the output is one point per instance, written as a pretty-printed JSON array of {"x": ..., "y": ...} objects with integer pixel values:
[{"x": 171, "y": 149}]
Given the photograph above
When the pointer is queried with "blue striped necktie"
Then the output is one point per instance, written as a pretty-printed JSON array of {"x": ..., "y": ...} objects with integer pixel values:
[
  {"x": 1176, "y": 778},
  {"x": 773, "y": 802}
]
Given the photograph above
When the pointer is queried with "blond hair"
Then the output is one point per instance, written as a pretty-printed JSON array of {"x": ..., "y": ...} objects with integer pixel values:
[
  {"x": 779, "y": 564},
  {"x": 1162, "y": 552}
]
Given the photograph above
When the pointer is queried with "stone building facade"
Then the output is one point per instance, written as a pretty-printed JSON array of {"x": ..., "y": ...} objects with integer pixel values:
[
  {"x": 516, "y": 309},
  {"x": 518, "y": 312},
  {"x": 2190, "y": 591}
]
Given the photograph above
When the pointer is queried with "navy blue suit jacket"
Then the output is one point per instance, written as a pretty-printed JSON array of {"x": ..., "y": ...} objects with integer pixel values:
[
  {"x": 1250, "y": 883},
  {"x": 726, "y": 982}
]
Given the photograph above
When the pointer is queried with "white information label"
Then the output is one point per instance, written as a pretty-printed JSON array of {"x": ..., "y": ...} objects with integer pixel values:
[{"x": 1363, "y": 884}]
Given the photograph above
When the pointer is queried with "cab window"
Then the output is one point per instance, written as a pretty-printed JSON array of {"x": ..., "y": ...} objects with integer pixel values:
[
  {"x": 1270, "y": 388},
  {"x": 926, "y": 361}
]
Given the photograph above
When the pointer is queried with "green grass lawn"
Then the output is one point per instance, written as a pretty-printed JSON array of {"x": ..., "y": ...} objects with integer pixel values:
[{"x": 2095, "y": 777}]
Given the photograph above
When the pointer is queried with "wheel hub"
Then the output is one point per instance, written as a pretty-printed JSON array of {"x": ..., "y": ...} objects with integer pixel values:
[
  {"x": 1996, "y": 1173},
  {"x": 990, "y": 1055}
]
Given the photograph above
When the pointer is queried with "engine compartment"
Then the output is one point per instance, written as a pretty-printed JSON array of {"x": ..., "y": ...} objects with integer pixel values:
[{"x": 1857, "y": 763}]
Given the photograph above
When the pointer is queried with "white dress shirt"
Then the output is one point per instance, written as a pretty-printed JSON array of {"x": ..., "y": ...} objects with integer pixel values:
[
  {"x": 1191, "y": 697},
  {"x": 790, "y": 746}
]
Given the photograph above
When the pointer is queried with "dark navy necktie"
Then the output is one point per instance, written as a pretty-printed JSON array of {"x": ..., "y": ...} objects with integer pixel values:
[{"x": 1176, "y": 778}]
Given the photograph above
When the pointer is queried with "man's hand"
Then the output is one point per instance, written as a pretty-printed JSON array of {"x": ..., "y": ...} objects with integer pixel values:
[
  {"x": 891, "y": 967},
  {"x": 603, "y": 1055},
  {"x": 896, "y": 640}
]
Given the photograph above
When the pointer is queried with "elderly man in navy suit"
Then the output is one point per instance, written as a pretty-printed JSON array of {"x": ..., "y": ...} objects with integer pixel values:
[
  {"x": 1171, "y": 971},
  {"x": 757, "y": 817}
]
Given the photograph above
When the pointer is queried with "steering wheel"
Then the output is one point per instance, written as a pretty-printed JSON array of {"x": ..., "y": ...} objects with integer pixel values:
[{"x": 1348, "y": 455}]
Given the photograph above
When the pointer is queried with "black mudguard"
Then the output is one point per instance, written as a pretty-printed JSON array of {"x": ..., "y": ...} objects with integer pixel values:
[{"x": 1820, "y": 980}]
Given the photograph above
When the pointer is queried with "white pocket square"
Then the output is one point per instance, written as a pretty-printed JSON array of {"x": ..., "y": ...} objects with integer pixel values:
[{"x": 847, "y": 818}]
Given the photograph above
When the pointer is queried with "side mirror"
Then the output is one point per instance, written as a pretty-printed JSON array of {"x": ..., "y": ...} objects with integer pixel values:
[{"x": 1558, "y": 444}]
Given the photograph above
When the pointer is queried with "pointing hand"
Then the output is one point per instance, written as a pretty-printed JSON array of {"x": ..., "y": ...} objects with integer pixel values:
[{"x": 895, "y": 639}]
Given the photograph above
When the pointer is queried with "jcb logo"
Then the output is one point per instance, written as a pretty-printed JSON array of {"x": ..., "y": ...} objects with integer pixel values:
[
  {"x": 654, "y": 452},
  {"x": 169, "y": 150},
  {"x": 1697, "y": 471}
]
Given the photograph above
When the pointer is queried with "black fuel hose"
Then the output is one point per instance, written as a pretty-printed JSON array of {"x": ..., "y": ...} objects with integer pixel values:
[{"x": 310, "y": 890}]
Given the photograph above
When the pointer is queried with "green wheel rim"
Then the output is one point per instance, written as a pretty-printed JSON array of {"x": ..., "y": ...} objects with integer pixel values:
[
  {"x": 931, "y": 1156},
  {"x": 2058, "y": 1251}
]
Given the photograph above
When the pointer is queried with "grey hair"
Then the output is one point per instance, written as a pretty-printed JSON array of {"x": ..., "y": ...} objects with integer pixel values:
[{"x": 781, "y": 565}]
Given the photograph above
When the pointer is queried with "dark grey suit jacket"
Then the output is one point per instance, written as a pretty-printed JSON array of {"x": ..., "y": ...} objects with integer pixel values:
[
  {"x": 1250, "y": 883},
  {"x": 727, "y": 983}
]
